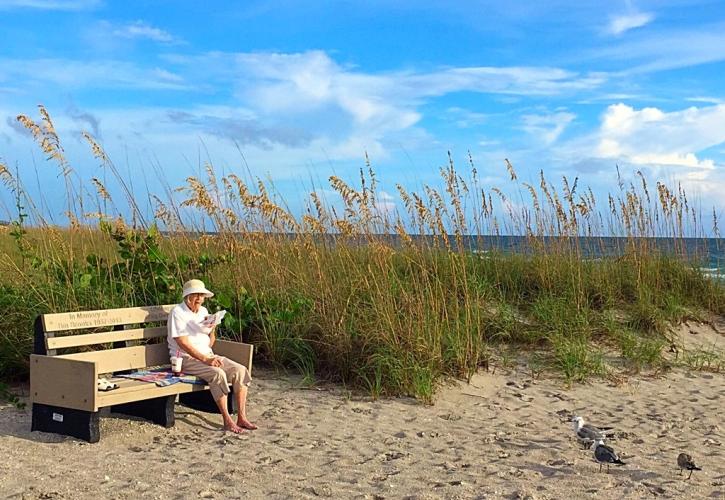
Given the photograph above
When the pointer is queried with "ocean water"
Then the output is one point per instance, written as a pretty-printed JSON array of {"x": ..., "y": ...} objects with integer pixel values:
[{"x": 706, "y": 253}]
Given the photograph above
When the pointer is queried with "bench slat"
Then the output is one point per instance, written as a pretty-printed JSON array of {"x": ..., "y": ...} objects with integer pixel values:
[
  {"x": 105, "y": 337},
  {"x": 105, "y": 317},
  {"x": 125, "y": 358}
]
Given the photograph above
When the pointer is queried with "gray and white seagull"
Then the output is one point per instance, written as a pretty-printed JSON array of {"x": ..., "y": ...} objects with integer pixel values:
[
  {"x": 587, "y": 433},
  {"x": 605, "y": 455}
]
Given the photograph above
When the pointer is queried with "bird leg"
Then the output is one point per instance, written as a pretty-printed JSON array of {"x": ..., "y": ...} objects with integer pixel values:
[{"x": 688, "y": 477}]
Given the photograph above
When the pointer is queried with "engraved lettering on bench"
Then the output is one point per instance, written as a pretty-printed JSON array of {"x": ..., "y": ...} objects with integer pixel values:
[
  {"x": 101, "y": 318},
  {"x": 91, "y": 319}
]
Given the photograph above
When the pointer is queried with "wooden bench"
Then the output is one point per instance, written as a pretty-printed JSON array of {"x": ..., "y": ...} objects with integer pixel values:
[{"x": 68, "y": 361}]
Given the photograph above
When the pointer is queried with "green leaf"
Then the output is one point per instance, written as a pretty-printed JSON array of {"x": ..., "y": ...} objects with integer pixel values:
[{"x": 85, "y": 280}]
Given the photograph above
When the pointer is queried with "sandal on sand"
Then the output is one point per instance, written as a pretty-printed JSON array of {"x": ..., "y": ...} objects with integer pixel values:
[{"x": 105, "y": 385}]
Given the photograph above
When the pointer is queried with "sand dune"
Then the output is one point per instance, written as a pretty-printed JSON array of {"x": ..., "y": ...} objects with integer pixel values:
[{"x": 504, "y": 435}]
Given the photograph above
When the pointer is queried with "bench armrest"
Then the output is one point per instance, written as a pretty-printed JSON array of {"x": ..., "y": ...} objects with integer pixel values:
[
  {"x": 236, "y": 351},
  {"x": 67, "y": 383}
]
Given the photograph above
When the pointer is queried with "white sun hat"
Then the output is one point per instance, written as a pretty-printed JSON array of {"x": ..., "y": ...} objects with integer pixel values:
[{"x": 196, "y": 286}]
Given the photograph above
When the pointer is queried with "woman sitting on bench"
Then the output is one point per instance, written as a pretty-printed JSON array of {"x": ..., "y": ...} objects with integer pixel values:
[{"x": 193, "y": 341}]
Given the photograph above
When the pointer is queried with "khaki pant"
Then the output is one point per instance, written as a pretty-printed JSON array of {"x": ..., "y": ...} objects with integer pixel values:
[{"x": 219, "y": 378}]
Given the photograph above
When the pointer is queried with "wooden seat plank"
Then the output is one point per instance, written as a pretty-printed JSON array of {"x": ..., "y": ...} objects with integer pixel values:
[{"x": 105, "y": 337}]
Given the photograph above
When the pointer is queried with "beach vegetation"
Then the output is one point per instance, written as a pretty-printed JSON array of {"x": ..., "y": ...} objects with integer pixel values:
[{"x": 389, "y": 295}]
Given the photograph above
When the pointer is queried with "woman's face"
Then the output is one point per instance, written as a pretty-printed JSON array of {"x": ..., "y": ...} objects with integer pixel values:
[{"x": 194, "y": 301}]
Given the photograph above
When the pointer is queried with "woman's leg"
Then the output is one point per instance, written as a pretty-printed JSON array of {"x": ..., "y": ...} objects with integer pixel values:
[
  {"x": 216, "y": 378},
  {"x": 239, "y": 377}
]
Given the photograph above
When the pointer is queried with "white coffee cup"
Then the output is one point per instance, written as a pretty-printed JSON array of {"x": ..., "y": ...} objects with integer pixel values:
[{"x": 176, "y": 364}]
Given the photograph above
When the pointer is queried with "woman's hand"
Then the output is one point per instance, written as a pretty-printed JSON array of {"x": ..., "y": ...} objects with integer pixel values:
[{"x": 213, "y": 361}]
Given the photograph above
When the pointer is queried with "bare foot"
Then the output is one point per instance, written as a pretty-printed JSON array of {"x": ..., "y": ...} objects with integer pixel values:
[
  {"x": 246, "y": 424},
  {"x": 232, "y": 427}
]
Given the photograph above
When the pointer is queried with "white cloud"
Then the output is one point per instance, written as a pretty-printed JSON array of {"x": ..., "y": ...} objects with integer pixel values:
[
  {"x": 364, "y": 109},
  {"x": 465, "y": 118},
  {"x": 49, "y": 4},
  {"x": 619, "y": 24},
  {"x": 705, "y": 99},
  {"x": 513, "y": 80},
  {"x": 72, "y": 74},
  {"x": 666, "y": 143},
  {"x": 651, "y": 130},
  {"x": 141, "y": 30},
  {"x": 674, "y": 159},
  {"x": 666, "y": 50},
  {"x": 547, "y": 128}
]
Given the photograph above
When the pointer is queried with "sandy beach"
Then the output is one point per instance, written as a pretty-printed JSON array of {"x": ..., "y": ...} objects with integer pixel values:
[{"x": 504, "y": 435}]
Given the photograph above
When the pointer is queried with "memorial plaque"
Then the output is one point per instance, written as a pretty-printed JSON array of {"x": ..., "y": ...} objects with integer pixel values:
[{"x": 105, "y": 317}]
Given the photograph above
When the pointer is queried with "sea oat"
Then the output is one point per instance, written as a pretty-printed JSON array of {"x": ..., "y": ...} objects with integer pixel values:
[{"x": 510, "y": 169}]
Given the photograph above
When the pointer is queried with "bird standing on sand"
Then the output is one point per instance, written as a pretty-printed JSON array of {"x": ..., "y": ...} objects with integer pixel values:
[
  {"x": 605, "y": 455},
  {"x": 587, "y": 433},
  {"x": 685, "y": 461}
]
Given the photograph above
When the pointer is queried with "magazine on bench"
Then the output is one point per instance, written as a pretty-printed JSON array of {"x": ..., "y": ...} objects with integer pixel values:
[{"x": 211, "y": 320}]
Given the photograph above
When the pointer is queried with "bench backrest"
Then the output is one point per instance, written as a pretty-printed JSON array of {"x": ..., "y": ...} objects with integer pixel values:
[{"x": 111, "y": 347}]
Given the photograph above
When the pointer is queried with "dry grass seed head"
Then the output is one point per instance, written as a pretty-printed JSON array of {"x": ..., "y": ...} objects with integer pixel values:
[
  {"x": 96, "y": 148},
  {"x": 100, "y": 188},
  {"x": 510, "y": 169}
]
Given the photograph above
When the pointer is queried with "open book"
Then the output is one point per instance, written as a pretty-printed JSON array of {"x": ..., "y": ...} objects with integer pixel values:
[{"x": 211, "y": 320}]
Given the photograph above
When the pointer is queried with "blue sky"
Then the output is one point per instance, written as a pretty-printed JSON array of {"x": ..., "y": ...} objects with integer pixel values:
[{"x": 305, "y": 88}]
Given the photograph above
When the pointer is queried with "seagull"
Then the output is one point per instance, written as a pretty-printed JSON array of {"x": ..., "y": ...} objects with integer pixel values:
[
  {"x": 587, "y": 433},
  {"x": 685, "y": 461},
  {"x": 605, "y": 455}
]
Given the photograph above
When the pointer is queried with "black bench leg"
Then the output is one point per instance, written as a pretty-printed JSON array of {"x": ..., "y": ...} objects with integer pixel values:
[
  {"x": 203, "y": 401},
  {"x": 158, "y": 410},
  {"x": 69, "y": 422}
]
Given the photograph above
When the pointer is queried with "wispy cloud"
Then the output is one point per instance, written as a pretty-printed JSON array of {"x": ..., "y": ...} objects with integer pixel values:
[
  {"x": 49, "y": 4},
  {"x": 74, "y": 74},
  {"x": 465, "y": 118},
  {"x": 142, "y": 30},
  {"x": 302, "y": 81},
  {"x": 374, "y": 106},
  {"x": 85, "y": 119},
  {"x": 625, "y": 22},
  {"x": 547, "y": 128},
  {"x": 672, "y": 49},
  {"x": 706, "y": 99},
  {"x": 245, "y": 131},
  {"x": 16, "y": 127}
]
